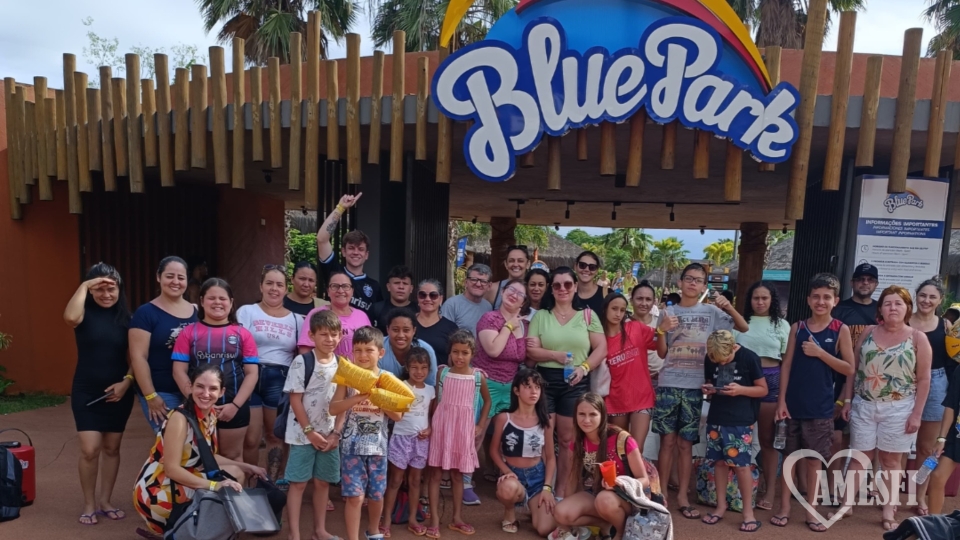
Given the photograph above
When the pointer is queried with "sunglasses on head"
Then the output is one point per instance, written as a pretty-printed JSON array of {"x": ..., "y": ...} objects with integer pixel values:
[
  {"x": 272, "y": 267},
  {"x": 566, "y": 285},
  {"x": 587, "y": 266},
  {"x": 423, "y": 295}
]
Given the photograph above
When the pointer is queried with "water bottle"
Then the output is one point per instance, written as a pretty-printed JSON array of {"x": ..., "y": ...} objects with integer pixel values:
[
  {"x": 568, "y": 367},
  {"x": 780, "y": 439},
  {"x": 928, "y": 466}
]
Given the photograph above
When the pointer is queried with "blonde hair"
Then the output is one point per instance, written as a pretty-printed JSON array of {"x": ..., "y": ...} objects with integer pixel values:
[{"x": 720, "y": 345}]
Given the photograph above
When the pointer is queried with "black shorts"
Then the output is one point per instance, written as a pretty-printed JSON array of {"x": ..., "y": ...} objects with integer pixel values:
[
  {"x": 561, "y": 397},
  {"x": 239, "y": 420}
]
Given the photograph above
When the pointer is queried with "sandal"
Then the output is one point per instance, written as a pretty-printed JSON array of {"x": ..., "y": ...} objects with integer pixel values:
[
  {"x": 417, "y": 529},
  {"x": 764, "y": 505},
  {"x": 510, "y": 526},
  {"x": 433, "y": 533},
  {"x": 745, "y": 526},
  {"x": 330, "y": 506},
  {"x": 780, "y": 521},
  {"x": 462, "y": 528},
  {"x": 816, "y": 526},
  {"x": 690, "y": 512},
  {"x": 116, "y": 514},
  {"x": 889, "y": 524},
  {"x": 445, "y": 483},
  {"x": 384, "y": 531},
  {"x": 88, "y": 519},
  {"x": 921, "y": 511},
  {"x": 491, "y": 476},
  {"x": 712, "y": 519},
  {"x": 149, "y": 535}
]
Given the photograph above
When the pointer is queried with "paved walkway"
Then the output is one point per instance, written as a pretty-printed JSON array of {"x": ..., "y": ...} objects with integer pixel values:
[{"x": 54, "y": 514}]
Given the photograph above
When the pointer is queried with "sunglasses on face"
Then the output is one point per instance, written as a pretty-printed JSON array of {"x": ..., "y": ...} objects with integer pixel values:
[
  {"x": 565, "y": 285},
  {"x": 340, "y": 287},
  {"x": 423, "y": 295},
  {"x": 587, "y": 266}
]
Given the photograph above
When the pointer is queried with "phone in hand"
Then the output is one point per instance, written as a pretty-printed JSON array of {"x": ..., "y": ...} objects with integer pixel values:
[{"x": 101, "y": 398}]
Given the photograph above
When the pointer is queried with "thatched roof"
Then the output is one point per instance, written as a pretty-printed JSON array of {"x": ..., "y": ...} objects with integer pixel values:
[
  {"x": 655, "y": 275},
  {"x": 779, "y": 257},
  {"x": 952, "y": 267},
  {"x": 557, "y": 247}
]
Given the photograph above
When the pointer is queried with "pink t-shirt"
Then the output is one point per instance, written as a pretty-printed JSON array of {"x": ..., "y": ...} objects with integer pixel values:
[
  {"x": 503, "y": 368},
  {"x": 350, "y": 323},
  {"x": 590, "y": 454}
]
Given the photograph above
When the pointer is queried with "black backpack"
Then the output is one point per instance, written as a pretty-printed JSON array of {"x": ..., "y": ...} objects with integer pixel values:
[
  {"x": 283, "y": 408},
  {"x": 11, "y": 485}
]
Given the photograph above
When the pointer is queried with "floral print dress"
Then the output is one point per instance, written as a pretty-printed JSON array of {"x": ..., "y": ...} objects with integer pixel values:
[{"x": 886, "y": 374}]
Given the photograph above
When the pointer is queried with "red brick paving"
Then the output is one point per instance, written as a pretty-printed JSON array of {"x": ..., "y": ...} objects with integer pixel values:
[{"x": 54, "y": 514}]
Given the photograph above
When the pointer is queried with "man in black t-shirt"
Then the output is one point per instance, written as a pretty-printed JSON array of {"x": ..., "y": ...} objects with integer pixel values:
[
  {"x": 399, "y": 289},
  {"x": 355, "y": 252}
]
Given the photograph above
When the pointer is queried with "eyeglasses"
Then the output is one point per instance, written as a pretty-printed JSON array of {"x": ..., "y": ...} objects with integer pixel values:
[
  {"x": 423, "y": 295},
  {"x": 478, "y": 281},
  {"x": 565, "y": 285},
  {"x": 587, "y": 266},
  {"x": 694, "y": 280},
  {"x": 518, "y": 293},
  {"x": 340, "y": 287}
]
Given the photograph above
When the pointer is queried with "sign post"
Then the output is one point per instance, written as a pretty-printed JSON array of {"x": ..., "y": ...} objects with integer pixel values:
[{"x": 461, "y": 250}]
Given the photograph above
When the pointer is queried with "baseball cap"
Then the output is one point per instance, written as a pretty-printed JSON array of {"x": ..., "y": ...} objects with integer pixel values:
[{"x": 866, "y": 269}]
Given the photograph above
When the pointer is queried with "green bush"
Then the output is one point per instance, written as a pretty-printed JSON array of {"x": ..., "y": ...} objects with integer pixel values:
[{"x": 5, "y": 382}]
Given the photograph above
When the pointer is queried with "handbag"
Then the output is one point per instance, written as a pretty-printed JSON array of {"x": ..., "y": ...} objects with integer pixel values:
[{"x": 707, "y": 488}]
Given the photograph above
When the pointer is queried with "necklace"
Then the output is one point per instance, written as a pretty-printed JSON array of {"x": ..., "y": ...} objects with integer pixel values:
[{"x": 564, "y": 316}]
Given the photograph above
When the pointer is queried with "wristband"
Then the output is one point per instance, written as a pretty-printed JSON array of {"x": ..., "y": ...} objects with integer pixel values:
[
  {"x": 548, "y": 488},
  {"x": 128, "y": 377},
  {"x": 846, "y": 401},
  {"x": 586, "y": 368},
  {"x": 509, "y": 327},
  {"x": 150, "y": 396},
  {"x": 941, "y": 439},
  {"x": 341, "y": 209},
  {"x": 213, "y": 486},
  {"x": 839, "y": 403},
  {"x": 307, "y": 429}
]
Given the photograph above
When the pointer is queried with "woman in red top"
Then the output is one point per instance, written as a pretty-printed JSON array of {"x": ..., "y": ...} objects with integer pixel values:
[{"x": 631, "y": 396}]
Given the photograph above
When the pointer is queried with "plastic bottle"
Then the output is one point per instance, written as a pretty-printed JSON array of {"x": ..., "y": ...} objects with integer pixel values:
[
  {"x": 780, "y": 439},
  {"x": 928, "y": 466},
  {"x": 568, "y": 367}
]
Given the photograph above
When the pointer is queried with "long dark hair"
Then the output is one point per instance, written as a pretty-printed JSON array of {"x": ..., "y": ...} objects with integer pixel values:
[
  {"x": 604, "y": 431},
  {"x": 194, "y": 374},
  {"x": 776, "y": 315},
  {"x": 222, "y": 283},
  {"x": 121, "y": 309},
  {"x": 611, "y": 298},
  {"x": 525, "y": 310},
  {"x": 548, "y": 302},
  {"x": 530, "y": 376}
]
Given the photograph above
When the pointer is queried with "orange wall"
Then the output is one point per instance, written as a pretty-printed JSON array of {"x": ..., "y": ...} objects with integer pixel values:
[{"x": 244, "y": 244}]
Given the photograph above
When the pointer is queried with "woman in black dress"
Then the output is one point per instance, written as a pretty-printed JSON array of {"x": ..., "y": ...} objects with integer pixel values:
[{"x": 100, "y": 317}]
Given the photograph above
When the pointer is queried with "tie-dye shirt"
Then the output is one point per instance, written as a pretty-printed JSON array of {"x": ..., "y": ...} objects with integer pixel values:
[{"x": 229, "y": 346}]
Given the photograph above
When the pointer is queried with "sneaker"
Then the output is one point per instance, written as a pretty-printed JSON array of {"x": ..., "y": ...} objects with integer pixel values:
[
  {"x": 470, "y": 497},
  {"x": 580, "y": 533}
]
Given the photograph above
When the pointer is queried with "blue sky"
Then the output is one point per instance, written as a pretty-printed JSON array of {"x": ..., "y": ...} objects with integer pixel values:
[{"x": 693, "y": 241}]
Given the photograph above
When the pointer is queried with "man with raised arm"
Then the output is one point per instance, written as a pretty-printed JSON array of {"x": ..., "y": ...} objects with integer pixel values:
[{"x": 355, "y": 251}]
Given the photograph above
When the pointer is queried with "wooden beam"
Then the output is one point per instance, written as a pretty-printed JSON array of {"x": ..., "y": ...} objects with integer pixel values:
[
  {"x": 273, "y": 79},
  {"x": 333, "y": 111},
  {"x": 164, "y": 126},
  {"x": 809, "y": 75},
  {"x": 354, "y": 142},
  {"x": 906, "y": 102},
  {"x": 733, "y": 173},
  {"x": 9, "y": 89},
  {"x": 841, "y": 92},
  {"x": 148, "y": 97},
  {"x": 61, "y": 135},
  {"x": 50, "y": 146},
  {"x": 22, "y": 157},
  {"x": 120, "y": 126},
  {"x": 608, "y": 149},
  {"x": 296, "y": 92},
  {"x": 198, "y": 116},
  {"x": 701, "y": 154},
  {"x": 83, "y": 153},
  {"x": 134, "y": 126},
  {"x": 93, "y": 129},
  {"x": 423, "y": 96},
  {"x": 635, "y": 154},
  {"x": 396, "y": 119},
  {"x": 239, "y": 128},
  {"x": 581, "y": 144},
  {"x": 528, "y": 160},
  {"x": 312, "y": 159},
  {"x": 445, "y": 138},
  {"x": 218, "y": 86},
  {"x": 771, "y": 57},
  {"x": 668, "y": 146},
  {"x": 553, "y": 162},
  {"x": 109, "y": 161},
  {"x": 256, "y": 112},
  {"x": 30, "y": 129},
  {"x": 70, "y": 106},
  {"x": 376, "y": 101},
  {"x": 938, "y": 108},
  {"x": 39, "y": 108},
  {"x": 181, "y": 118}
]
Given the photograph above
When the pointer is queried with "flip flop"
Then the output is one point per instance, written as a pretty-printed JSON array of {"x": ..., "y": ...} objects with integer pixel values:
[
  {"x": 780, "y": 521},
  {"x": 712, "y": 519},
  {"x": 330, "y": 506},
  {"x": 417, "y": 530},
  {"x": 816, "y": 526},
  {"x": 921, "y": 511},
  {"x": 510, "y": 526},
  {"x": 889, "y": 524},
  {"x": 690, "y": 512},
  {"x": 433, "y": 533},
  {"x": 385, "y": 531},
  {"x": 91, "y": 519},
  {"x": 462, "y": 528},
  {"x": 754, "y": 524},
  {"x": 764, "y": 505},
  {"x": 118, "y": 514}
]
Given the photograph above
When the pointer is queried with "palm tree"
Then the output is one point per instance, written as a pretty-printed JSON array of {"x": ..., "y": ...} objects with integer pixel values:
[
  {"x": 422, "y": 20},
  {"x": 635, "y": 242},
  {"x": 783, "y": 22},
  {"x": 265, "y": 25},
  {"x": 669, "y": 255},
  {"x": 536, "y": 237},
  {"x": 945, "y": 16},
  {"x": 720, "y": 252}
]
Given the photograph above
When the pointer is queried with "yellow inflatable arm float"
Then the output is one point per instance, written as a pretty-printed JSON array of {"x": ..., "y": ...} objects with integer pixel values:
[{"x": 386, "y": 390}]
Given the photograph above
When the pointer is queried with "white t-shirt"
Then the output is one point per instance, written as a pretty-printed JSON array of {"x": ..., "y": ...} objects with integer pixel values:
[
  {"x": 276, "y": 337},
  {"x": 417, "y": 418},
  {"x": 316, "y": 399}
]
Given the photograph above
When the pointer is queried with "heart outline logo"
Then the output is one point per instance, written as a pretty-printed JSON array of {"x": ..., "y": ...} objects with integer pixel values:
[{"x": 793, "y": 458}]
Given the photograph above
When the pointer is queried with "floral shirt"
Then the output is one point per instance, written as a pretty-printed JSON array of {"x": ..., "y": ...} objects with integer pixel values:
[{"x": 886, "y": 374}]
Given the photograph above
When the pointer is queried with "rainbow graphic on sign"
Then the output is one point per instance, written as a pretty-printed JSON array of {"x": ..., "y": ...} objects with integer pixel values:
[{"x": 549, "y": 66}]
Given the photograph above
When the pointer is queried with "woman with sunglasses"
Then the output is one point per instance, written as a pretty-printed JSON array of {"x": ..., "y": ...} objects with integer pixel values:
[
  {"x": 340, "y": 291},
  {"x": 558, "y": 331},
  {"x": 430, "y": 326},
  {"x": 589, "y": 294},
  {"x": 517, "y": 263}
]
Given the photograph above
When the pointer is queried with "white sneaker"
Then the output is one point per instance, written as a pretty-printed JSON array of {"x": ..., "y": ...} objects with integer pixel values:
[{"x": 580, "y": 533}]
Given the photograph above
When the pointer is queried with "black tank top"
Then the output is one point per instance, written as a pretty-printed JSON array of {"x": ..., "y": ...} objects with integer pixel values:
[{"x": 937, "y": 339}]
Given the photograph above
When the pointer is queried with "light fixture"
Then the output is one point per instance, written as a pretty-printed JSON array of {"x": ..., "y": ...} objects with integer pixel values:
[
  {"x": 556, "y": 226},
  {"x": 267, "y": 176},
  {"x": 519, "y": 202},
  {"x": 474, "y": 220},
  {"x": 566, "y": 214},
  {"x": 672, "y": 217},
  {"x": 784, "y": 228},
  {"x": 304, "y": 210},
  {"x": 613, "y": 215},
  {"x": 702, "y": 230}
]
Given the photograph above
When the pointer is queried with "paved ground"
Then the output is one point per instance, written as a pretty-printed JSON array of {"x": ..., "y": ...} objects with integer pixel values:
[{"x": 59, "y": 501}]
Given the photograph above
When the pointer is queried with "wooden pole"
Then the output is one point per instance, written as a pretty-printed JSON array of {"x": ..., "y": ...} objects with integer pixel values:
[
  {"x": 61, "y": 135},
  {"x": 93, "y": 129},
  {"x": 120, "y": 126},
  {"x": 106, "y": 129},
  {"x": 22, "y": 156},
  {"x": 9, "y": 89},
  {"x": 148, "y": 97},
  {"x": 70, "y": 106},
  {"x": 771, "y": 57},
  {"x": 376, "y": 101},
  {"x": 239, "y": 129},
  {"x": 50, "y": 144},
  {"x": 181, "y": 124},
  {"x": 668, "y": 146},
  {"x": 256, "y": 110},
  {"x": 354, "y": 143},
  {"x": 273, "y": 79},
  {"x": 423, "y": 96},
  {"x": 134, "y": 126},
  {"x": 809, "y": 74},
  {"x": 164, "y": 126},
  {"x": 218, "y": 86},
  {"x": 296, "y": 92},
  {"x": 608, "y": 149},
  {"x": 528, "y": 160},
  {"x": 198, "y": 116},
  {"x": 445, "y": 137},
  {"x": 333, "y": 111},
  {"x": 83, "y": 153},
  {"x": 396, "y": 119},
  {"x": 635, "y": 154},
  {"x": 39, "y": 108},
  {"x": 938, "y": 108},
  {"x": 30, "y": 129},
  {"x": 581, "y": 144},
  {"x": 906, "y": 102},
  {"x": 733, "y": 173},
  {"x": 841, "y": 92},
  {"x": 553, "y": 163},
  {"x": 701, "y": 154},
  {"x": 312, "y": 159}
]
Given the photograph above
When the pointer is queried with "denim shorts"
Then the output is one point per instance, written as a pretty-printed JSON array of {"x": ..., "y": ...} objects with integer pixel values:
[
  {"x": 269, "y": 387},
  {"x": 532, "y": 479},
  {"x": 172, "y": 401},
  {"x": 933, "y": 408}
]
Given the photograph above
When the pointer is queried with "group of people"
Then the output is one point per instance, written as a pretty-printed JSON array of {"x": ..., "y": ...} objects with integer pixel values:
[{"x": 541, "y": 373}]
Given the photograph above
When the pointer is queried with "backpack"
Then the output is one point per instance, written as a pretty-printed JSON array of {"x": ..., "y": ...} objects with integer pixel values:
[
  {"x": 654, "y": 491},
  {"x": 401, "y": 510},
  {"x": 477, "y": 399},
  {"x": 11, "y": 485},
  {"x": 283, "y": 407}
]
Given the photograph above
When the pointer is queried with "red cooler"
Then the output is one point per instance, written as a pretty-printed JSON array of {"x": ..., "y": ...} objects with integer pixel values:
[{"x": 28, "y": 460}]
